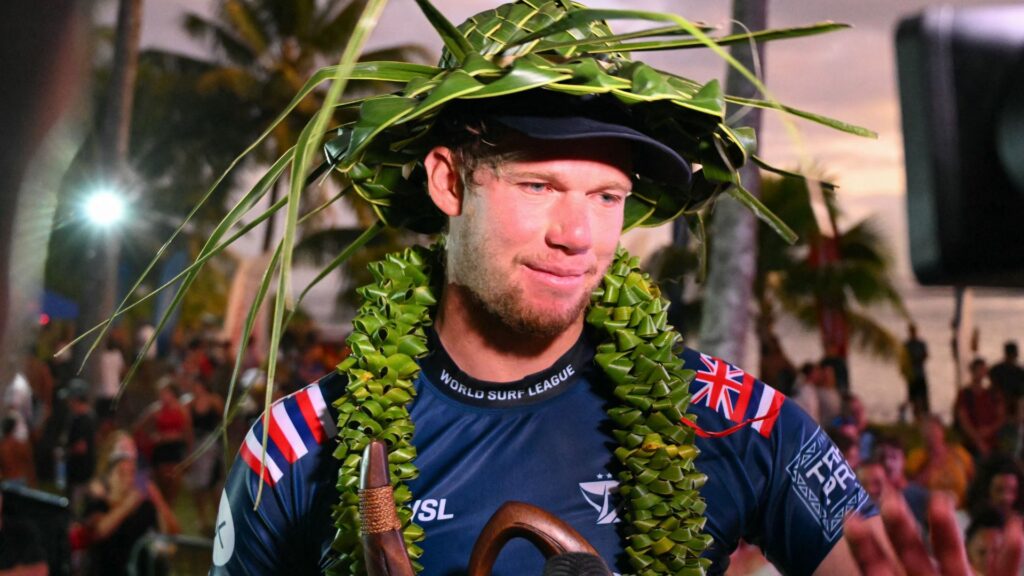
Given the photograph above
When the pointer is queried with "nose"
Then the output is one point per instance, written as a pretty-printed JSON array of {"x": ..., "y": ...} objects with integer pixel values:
[{"x": 570, "y": 225}]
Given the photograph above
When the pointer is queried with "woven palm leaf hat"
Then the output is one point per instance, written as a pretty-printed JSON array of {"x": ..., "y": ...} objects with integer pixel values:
[
  {"x": 546, "y": 49},
  {"x": 498, "y": 65}
]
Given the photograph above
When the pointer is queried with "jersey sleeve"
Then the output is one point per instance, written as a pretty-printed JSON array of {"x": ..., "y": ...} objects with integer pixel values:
[
  {"x": 774, "y": 478},
  {"x": 290, "y": 529},
  {"x": 809, "y": 495}
]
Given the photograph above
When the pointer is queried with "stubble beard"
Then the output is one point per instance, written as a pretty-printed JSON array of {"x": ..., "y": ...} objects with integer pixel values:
[{"x": 501, "y": 301}]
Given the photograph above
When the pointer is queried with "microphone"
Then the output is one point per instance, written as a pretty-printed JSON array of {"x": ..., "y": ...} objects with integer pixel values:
[{"x": 575, "y": 564}]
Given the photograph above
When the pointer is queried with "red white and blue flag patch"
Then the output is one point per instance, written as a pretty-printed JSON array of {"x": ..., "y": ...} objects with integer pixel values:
[
  {"x": 729, "y": 391},
  {"x": 297, "y": 423}
]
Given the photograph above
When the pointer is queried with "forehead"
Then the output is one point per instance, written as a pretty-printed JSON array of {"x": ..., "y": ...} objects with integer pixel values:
[{"x": 614, "y": 153}]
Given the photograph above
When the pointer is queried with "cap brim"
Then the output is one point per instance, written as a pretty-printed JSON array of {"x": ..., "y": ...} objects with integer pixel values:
[{"x": 652, "y": 159}]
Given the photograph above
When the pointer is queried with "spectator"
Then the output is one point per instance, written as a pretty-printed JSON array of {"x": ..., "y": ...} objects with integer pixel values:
[
  {"x": 776, "y": 368},
  {"x": 121, "y": 510},
  {"x": 984, "y": 539},
  {"x": 40, "y": 379},
  {"x": 853, "y": 420},
  {"x": 998, "y": 485},
  {"x": 835, "y": 362},
  {"x": 197, "y": 363},
  {"x": 111, "y": 371},
  {"x": 805, "y": 391},
  {"x": 871, "y": 475},
  {"x": 888, "y": 452},
  {"x": 915, "y": 352},
  {"x": 1008, "y": 377},
  {"x": 830, "y": 400},
  {"x": 18, "y": 398},
  {"x": 848, "y": 443},
  {"x": 1010, "y": 438},
  {"x": 207, "y": 469},
  {"x": 979, "y": 411},
  {"x": 168, "y": 426},
  {"x": 16, "y": 462},
  {"x": 79, "y": 438},
  {"x": 941, "y": 465}
]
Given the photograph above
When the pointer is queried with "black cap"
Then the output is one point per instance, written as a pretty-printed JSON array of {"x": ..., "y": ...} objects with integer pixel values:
[{"x": 546, "y": 115}]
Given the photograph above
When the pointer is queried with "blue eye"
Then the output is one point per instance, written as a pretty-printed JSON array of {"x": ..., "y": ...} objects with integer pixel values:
[
  {"x": 535, "y": 186},
  {"x": 610, "y": 199}
]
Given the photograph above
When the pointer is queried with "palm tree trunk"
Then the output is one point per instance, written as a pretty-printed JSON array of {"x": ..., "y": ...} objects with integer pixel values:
[
  {"x": 115, "y": 124},
  {"x": 725, "y": 320}
]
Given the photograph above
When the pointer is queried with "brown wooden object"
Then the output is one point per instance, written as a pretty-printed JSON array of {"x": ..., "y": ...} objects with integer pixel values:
[
  {"x": 381, "y": 531},
  {"x": 549, "y": 534}
]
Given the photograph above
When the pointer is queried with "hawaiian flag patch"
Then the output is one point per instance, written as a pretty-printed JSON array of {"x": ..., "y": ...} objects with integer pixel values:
[
  {"x": 296, "y": 423},
  {"x": 729, "y": 391}
]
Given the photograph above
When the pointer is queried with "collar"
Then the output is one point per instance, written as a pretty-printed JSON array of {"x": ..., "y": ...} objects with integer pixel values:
[{"x": 441, "y": 371}]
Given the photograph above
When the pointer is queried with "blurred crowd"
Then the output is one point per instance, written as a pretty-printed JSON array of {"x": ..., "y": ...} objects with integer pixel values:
[
  {"x": 151, "y": 461},
  {"x": 978, "y": 457}
]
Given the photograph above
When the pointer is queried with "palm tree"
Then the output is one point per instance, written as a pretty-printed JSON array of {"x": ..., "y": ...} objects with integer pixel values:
[
  {"x": 264, "y": 50},
  {"x": 852, "y": 286}
]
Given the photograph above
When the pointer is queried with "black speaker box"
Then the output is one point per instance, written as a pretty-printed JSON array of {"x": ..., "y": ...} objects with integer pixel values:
[
  {"x": 961, "y": 79},
  {"x": 49, "y": 515}
]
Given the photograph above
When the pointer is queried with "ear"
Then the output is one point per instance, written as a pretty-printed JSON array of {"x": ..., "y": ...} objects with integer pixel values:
[{"x": 443, "y": 182}]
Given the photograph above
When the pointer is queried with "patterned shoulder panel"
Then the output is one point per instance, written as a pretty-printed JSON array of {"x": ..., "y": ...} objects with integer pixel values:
[
  {"x": 726, "y": 396},
  {"x": 300, "y": 424}
]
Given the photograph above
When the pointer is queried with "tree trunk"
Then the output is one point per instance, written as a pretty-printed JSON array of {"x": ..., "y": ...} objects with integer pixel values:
[
  {"x": 732, "y": 266},
  {"x": 114, "y": 127}
]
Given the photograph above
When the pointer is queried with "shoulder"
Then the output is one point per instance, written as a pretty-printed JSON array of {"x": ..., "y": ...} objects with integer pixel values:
[
  {"x": 298, "y": 428},
  {"x": 774, "y": 477},
  {"x": 726, "y": 396},
  {"x": 289, "y": 530}
]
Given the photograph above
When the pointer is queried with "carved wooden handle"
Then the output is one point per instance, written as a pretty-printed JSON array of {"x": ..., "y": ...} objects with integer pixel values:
[
  {"x": 546, "y": 531},
  {"x": 383, "y": 545}
]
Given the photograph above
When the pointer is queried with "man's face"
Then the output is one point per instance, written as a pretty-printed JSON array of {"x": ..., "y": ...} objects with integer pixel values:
[
  {"x": 872, "y": 478},
  {"x": 982, "y": 547},
  {"x": 1002, "y": 491},
  {"x": 978, "y": 372},
  {"x": 893, "y": 460},
  {"x": 535, "y": 235}
]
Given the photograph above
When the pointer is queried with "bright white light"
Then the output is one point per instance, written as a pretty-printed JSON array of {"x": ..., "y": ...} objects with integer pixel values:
[{"x": 104, "y": 208}]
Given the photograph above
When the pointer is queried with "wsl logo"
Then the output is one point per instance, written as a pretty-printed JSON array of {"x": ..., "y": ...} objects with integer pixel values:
[{"x": 599, "y": 494}]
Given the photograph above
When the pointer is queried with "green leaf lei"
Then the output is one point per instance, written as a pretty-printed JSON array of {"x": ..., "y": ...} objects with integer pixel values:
[{"x": 640, "y": 355}]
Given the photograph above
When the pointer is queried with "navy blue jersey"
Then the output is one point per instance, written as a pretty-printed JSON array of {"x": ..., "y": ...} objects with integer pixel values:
[{"x": 777, "y": 482}]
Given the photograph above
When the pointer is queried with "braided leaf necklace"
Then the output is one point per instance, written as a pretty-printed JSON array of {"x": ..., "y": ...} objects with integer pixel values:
[{"x": 639, "y": 353}]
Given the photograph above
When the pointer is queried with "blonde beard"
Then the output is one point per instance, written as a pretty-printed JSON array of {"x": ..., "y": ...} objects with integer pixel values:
[{"x": 469, "y": 267}]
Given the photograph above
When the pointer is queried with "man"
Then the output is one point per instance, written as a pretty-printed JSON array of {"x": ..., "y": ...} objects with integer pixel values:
[
  {"x": 509, "y": 405},
  {"x": 889, "y": 453},
  {"x": 915, "y": 352},
  {"x": 1008, "y": 377},
  {"x": 544, "y": 370},
  {"x": 79, "y": 442},
  {"x": 980, "y": 411}
]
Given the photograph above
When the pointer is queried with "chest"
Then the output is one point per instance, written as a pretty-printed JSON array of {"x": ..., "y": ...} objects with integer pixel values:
[{"x": 557, "y": 456}]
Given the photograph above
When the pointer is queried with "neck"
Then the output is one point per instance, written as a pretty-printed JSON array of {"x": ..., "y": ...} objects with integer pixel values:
[{"x": 487, "y": 349}]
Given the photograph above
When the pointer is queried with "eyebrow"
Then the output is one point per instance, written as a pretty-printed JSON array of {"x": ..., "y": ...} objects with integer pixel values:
[{"x": 561, "y": 183}]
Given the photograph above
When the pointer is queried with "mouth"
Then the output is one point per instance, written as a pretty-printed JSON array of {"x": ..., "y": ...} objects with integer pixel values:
[{"x": 558, "y": 276}]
